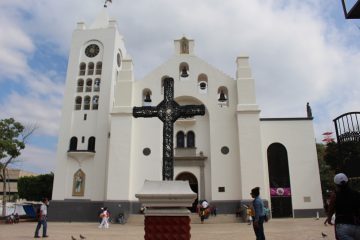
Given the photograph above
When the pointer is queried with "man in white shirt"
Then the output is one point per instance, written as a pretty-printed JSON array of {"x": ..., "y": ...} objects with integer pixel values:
[{"x": 42, "y": 219}]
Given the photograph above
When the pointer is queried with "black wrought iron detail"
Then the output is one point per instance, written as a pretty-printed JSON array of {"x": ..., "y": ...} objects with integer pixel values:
[
  {"x": 168, "y": 111},
  {"x": 347, "y": 127},
  {"x": 352, "y": 12}
]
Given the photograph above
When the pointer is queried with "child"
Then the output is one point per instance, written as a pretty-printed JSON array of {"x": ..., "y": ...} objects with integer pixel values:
[
  {"x": 105, "y": 218},
  {"x": 249, "y": 214}
]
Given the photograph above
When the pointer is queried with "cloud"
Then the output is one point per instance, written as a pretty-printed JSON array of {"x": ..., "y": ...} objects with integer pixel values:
[
  {"x": 35, "y": 159},
  {"x": 31, "y": 109},
  {"x": 15, "y": 45}
]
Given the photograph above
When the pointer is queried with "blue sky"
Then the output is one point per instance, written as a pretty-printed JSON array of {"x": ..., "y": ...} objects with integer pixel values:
[{"x": 300, "y": 51}]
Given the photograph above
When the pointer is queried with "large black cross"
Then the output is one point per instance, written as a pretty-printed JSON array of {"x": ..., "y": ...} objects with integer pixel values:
[{"x": 168, "y": 111}]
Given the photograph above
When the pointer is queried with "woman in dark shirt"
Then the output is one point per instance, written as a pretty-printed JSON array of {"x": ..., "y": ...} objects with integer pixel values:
[{"x": 345, "y": 203}]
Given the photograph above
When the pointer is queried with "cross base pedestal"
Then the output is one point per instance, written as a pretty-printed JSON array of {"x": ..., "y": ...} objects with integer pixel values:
[
  {"x": 166, "y": 214},
  {"x": 167, "y": 228}
]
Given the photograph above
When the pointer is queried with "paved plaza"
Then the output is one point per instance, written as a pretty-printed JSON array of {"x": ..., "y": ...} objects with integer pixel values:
[{"x": 275, "y": 229}]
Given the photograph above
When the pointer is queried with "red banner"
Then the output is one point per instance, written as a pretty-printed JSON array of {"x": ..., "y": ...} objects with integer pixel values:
[{"x": 284, "y": 192}]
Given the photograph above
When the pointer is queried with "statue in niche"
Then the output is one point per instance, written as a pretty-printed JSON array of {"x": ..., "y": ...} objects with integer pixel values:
[
  {"x": 79, "y": 183},
  {"x": 184, "y": 46}
]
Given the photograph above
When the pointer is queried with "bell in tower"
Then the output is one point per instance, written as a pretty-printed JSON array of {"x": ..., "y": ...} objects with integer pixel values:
[
  {"x": 222, "y": 97},
  {"x": 147, "y": 97},
  {"x": 184, "y": 72}
]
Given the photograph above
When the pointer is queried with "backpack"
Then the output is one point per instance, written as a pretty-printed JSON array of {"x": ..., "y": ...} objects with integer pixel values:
[{"x": 267, "y": 214}]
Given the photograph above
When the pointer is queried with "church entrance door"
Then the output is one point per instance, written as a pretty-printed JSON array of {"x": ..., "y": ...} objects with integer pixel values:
[
  {"x": 193, "y": 185},
  {"x": 279, "y": 178}
]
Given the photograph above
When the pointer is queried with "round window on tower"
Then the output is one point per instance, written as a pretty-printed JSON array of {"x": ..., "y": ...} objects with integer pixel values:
[
  {"x": 225, "y": 150},
  {"x": 92, "y": 50},
  {"x": 118, "y": 58},
  {"x": 146, "y": 151}
]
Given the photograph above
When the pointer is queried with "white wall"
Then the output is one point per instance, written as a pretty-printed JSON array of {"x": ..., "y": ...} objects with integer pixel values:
[{"x": 298, "y": 138}]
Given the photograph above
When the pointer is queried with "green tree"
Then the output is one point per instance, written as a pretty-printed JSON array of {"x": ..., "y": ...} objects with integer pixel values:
[
  {"x": 13, "y": 136},
  {"x": 34, "y": 188},
  {"x": 326, "y": 171}
]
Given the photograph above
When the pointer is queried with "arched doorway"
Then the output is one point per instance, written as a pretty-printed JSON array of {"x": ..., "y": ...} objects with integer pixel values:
[
  {"x": 279, "y": 178},
  {"x": 187, "y": 176}
]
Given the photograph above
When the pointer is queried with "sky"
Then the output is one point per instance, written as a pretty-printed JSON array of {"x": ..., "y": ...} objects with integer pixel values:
[{"x": 300, "y": 51}]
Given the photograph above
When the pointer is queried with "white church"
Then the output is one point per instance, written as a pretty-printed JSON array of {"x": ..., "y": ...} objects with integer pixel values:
[{"x": 104, "y": 154}]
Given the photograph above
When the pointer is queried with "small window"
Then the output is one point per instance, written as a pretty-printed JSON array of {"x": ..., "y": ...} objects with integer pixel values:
[
  {"x": 91, "y": 144},
  {"x": 95, "y": 103},
  {"x": 190, "y": 139},
  {"x": 98, "y": 68},
  {"x": 87, "y": 103},
  {"x": 180, "y": 139},
  {"x": 85, "y": 117},
  {"x": 82, "y": 139},
  {"x": 97, "y": 85},
  {"x": 78, "y": 101},
  {"x": 82, "y": 69},
  {"x": 88, "y": 85},
  {"x": 91, "y": 68},
  {"x": 80, "y": 85},
  {"x": 73, "y": 144}
]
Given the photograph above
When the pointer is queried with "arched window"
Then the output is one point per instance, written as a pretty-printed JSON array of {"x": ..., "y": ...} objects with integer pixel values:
[
  {"x": 184, "y": 70},
  {"x": 73, "y": 144},
  {"x": 91, "y": 144},
  {"x": 223, "y": 97},
  {"x": 88, "y": 85},
  {"x": 78, "y": 101},
  {"x": 82, "y": 69},
  {"x": 95, "y": 103},
  {"x": 87, "y": 103},
  {"x": 180, "y": 139},
  {"x": 190, "y": 139},
  {"x": 80, "y": 85},
  {"x": 202, "y": 83},
  {"x": 90, "y": 68},
  {"x": 146, "y": 96},
  {"x": 97, "y": 85},
  {"x": 98, "y": 68}
]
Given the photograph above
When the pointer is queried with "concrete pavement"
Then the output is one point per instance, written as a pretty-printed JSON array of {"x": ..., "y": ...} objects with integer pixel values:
[{"x": 275, "y": 229}]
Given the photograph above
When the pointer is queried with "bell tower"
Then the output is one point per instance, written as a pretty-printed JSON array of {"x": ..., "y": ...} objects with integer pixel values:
[{"x": 96, "y": 60}]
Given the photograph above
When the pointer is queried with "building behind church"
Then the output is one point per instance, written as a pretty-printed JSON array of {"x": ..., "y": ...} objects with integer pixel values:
[{"x": 104, "y": 154}]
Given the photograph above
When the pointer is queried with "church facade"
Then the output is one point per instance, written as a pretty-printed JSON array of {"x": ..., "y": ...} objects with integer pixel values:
[{"x": 104, "y": 154}]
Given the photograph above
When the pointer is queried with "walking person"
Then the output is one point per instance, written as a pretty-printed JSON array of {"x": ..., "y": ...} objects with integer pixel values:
[
  {"x": 259, "y": 214},
  {"x": 42, "y": 219},
  {"x": 345, "y": 203},
  {"x": 204, "y": 211},
  {"x": 105, "y": 218}
]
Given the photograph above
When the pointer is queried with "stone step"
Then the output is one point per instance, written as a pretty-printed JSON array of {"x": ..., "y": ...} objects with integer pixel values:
[{"x": 195, "y": 219}]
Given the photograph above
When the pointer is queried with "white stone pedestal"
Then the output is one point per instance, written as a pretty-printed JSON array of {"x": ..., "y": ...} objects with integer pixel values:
[{"x": 166, "y": 214}]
